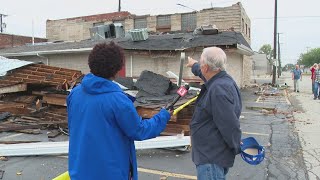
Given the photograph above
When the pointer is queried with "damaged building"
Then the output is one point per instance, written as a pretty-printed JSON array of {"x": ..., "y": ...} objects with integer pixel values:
[
  {"x": 33, "y": 97},
  {"x": 158, "y": 53}
]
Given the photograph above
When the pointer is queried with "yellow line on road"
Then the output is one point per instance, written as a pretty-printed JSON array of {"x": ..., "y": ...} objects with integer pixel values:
[
  {"x": 168, "y": 174},
  {"x": 286, "y": 96},
  {"x": 252, "y": 133}
]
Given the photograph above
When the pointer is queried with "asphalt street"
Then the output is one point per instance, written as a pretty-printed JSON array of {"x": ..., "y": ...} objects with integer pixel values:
[{"x": 276, "y": 132}]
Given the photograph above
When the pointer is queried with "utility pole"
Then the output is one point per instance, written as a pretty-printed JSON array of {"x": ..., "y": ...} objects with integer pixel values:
[
  {"x": 279, "y": 59},
  {"x": 308, "y": 48},
  {"x": 119, "y": 7},
  {"x": 275, "y": 41},
  {"x": 1, "y": 22}
]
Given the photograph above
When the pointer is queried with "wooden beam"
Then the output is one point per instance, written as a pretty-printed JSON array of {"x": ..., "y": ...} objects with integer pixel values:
[
  {"x": 13, "y": 88},
  {"x": 59, "y": 100}
]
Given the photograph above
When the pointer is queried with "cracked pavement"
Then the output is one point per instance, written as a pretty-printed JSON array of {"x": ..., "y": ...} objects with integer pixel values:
[{"x": 307, "y": 124}]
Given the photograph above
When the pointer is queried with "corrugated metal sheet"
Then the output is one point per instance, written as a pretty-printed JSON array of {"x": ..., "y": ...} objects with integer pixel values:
[
  {"x": 10, "y": 64},
  {"x": 56, "y": 148}
]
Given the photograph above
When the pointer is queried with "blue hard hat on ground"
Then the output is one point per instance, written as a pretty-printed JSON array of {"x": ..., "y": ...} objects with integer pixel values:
[{"x": 251, "y": 151}]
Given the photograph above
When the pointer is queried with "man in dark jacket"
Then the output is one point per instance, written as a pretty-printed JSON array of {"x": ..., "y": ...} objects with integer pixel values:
[
  {"x": 103, "y": 123},
  {"x": 215, "y": 126}
]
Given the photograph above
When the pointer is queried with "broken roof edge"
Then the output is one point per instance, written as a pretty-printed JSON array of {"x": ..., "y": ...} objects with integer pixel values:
[
  {"x": 243, "y": 49},
  {"x": 10, "y": 64}
]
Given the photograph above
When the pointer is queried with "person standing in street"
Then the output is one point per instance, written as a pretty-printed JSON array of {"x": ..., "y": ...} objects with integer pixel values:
[
  {"x": 215, "y": 126},
  {"x": 296, "y": 75},
  {"x": 317, "y": 82},
  {"x": 103, "y": 122},
  {"x": 313, "y": 77}
]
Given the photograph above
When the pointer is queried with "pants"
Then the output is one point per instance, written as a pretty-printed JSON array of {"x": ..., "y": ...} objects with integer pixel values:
[
  {"x": 296, "y": 85},
  {"x": 316, "y": 89},
  {"x": 312, "y": 86},
  {"x": 211, "y": 172}
]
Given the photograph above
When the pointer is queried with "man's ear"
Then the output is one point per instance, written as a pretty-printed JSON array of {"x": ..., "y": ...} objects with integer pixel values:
[{"x": 206, "y": 68}]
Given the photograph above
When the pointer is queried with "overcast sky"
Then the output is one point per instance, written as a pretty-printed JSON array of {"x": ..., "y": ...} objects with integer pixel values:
[{"x": 299, "y": 21}]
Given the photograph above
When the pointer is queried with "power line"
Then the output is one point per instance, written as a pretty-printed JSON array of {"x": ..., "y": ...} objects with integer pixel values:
[{"x": 289, "y": 17}]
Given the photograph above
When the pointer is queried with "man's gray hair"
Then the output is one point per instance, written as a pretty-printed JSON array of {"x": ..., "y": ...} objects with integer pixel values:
[{"x": 215, "y": 58}]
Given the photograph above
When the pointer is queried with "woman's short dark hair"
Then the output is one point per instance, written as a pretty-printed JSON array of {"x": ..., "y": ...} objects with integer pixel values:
[{"x": 105, "y": 60}]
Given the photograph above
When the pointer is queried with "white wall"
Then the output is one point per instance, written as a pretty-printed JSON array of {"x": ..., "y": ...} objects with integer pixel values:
[{"x": 144, "y": 62}]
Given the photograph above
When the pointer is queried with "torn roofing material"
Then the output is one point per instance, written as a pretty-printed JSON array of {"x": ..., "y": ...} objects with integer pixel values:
[
  {"x": 10, "y": 64},
  {"x": 41, "y": 74},
  {"x": 153, "y": 83}
]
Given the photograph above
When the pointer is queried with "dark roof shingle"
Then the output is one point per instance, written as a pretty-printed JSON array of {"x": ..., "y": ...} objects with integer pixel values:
[{"x": 166, "y": 42}]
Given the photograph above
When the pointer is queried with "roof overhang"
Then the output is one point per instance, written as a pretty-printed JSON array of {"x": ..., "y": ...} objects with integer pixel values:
[
  {"x": 244, "y": 50},
  {"x": 241, "y": 49},
  {"x": 36, "y": 53}
]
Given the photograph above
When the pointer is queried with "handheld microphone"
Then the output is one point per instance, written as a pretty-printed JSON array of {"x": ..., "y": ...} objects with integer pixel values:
[{"x": 182, "y": 91}]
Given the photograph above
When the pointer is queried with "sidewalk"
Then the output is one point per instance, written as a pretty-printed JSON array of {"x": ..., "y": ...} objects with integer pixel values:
[{"x": 307, "y": 122}]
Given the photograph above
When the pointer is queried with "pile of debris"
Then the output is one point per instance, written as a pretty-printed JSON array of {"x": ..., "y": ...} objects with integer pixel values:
[
  {"x": 155, "y": 92},
  {"x": 33, "y": 96}
]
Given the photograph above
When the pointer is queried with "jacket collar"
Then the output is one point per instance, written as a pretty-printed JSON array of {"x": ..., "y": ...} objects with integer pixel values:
[{"x": 215, "y": 77}]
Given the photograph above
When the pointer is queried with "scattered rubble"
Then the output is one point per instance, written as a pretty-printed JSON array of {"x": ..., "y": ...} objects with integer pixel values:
[
  {"x": 33, "y": 98},
  {"x": 150, "y": 99}
]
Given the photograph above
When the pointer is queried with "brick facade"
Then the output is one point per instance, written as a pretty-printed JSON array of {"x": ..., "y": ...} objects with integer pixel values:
[
  {"x": 10, "y": 40},
  {"x": 77, "y": 28},
  {"x": 225, "y": 18}
]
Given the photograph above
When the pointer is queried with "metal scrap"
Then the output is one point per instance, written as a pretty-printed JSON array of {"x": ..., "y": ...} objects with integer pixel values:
[{"x": 5, "y": 115}]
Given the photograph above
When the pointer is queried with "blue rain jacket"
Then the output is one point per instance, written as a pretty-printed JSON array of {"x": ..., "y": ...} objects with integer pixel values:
[{"x": 103, "y": 124}]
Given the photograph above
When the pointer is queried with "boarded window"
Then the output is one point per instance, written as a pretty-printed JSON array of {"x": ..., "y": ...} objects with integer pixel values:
[
  {"x": 246, "y": 29},
  {"x": 242, "y": 25},
  {"x": 140, "y": 23},
  {"x": 163, "y": 21},
  {"x": 188, "y": 22}
]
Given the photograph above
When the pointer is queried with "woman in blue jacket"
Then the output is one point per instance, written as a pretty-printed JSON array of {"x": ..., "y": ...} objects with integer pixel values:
[{"x": 103, "y": 123}]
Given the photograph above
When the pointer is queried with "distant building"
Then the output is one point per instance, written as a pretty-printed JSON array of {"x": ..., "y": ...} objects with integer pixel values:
[
  {"x": 10, "y": 40},
  {"x": 260, "y": 64},
  {"x": 225, "y": 18}
]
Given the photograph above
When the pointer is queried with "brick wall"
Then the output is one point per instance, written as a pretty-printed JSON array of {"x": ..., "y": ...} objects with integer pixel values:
[
  {"x": 9, "y": 40},
  {"x": 223, "y": 17},
  {"x": 234, "y": 67},
  {"x": 76, "y": 29},
  {"x": 247, "y": 70},
  {"x": 176, "y": 22}
]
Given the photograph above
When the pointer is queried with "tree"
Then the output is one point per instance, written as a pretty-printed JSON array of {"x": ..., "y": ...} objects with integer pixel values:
[
  {"x": 267, "y": 49},
  {"x": 310, "y": 57}
]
